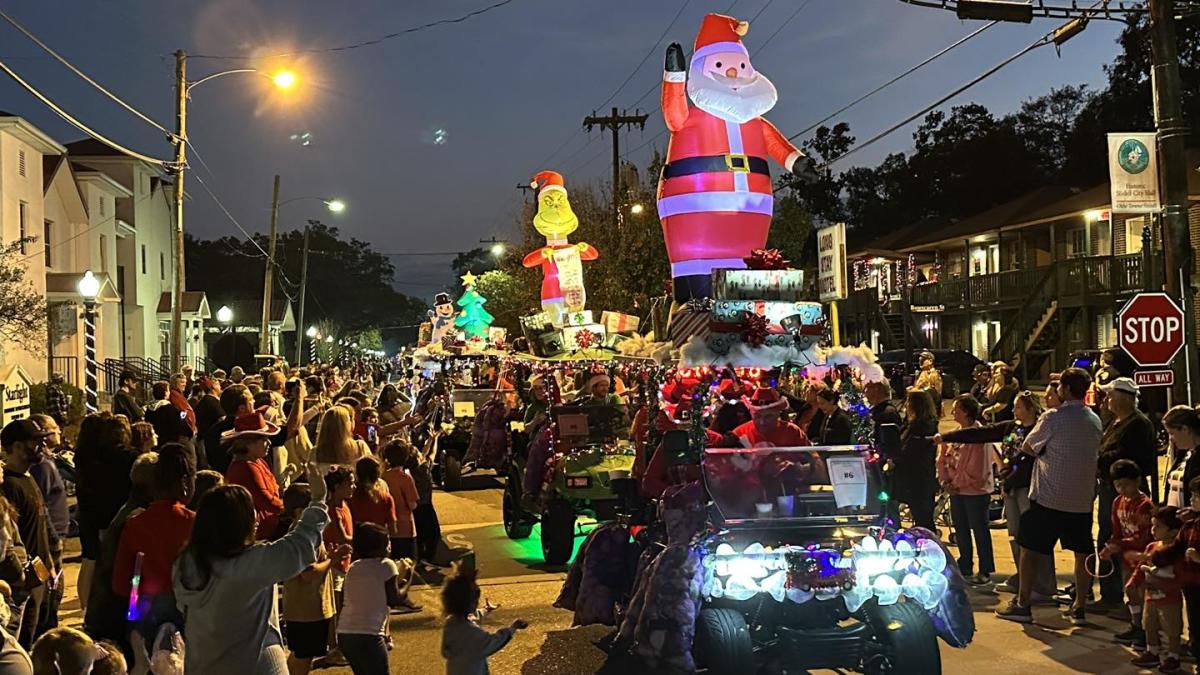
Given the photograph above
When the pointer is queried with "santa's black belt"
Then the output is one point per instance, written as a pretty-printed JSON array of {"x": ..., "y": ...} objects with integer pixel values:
[{"x": 732, "y": 163}]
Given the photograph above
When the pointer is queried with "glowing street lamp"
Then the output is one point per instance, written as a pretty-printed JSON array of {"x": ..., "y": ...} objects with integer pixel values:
[
  {"x": 637, "y": 209},
  {"x": 284, "y": 79},
  {"x": 497, "y": 250},
  {"x": 225, "y": 315},
  {"x": 89, "y": 288}
]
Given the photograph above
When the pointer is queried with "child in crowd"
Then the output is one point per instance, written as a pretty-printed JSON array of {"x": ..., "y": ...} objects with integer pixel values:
[
  {"x": 1131, "y": 511},
  {"x": 206, "y": 480},
  {"x": 339, "y": 533},
  {"x": 1183, "y": 555},
  {"x": 428, "y": 529},
  {"x": 308, "y": 605},
  {"x": 371, "y": 501},
  {"x": 371, "y": 587},
  {"x": 465, "y": 645},
  {"x": 404, "y": 494},
  {"x": 65, "y": 651},
  {"x": 113, "y": 662},
  {"x": 1163, "y": 608}
]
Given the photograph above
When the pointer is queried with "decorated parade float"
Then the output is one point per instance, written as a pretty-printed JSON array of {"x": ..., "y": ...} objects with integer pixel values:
[{"x": 762, "y": 554}]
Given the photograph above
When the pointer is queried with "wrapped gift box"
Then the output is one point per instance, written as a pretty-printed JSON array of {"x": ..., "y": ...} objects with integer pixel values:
[
  {"x": 571, "y": 340},
  {"x": 548, "y": 344},
  {"x": 616, "y": 322},
  {"x": 581, "y": 318},
  {"x": 775, "y": 285},
  {"x": 686, "y": 323},
  {"x": 496, "y": 335},
  {"x": 721, "y": 343},
  {"x": 731, "y": 311}
]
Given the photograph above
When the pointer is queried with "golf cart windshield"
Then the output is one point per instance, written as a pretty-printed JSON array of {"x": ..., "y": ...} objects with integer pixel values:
[
  {"x": 803, "y": 485},
  {"x": 467, "y": 402}
]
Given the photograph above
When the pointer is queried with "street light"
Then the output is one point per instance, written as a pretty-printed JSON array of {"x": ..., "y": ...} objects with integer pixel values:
[
  {"x": 637, "y": 209},
  {"x": 333, "y": 204},
  {"x": 497, "y": 250},
  {"x": 283, "y": 79},
  {"x": 225, "y": 315},
  {"x": 89, "y": 288}
]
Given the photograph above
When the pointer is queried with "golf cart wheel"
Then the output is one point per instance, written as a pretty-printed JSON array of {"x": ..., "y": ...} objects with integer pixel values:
[
  {"x": 515, "y": 524},
  {"x": 723, "y": 644},
  {"x": 909, "y": 642},
  {"x": 451, "y": 473},
  {"x": 558, "y": 532}
]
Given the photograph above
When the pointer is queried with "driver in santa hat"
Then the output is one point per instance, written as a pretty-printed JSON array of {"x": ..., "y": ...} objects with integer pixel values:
[
  {"x": 715, "y": 196},
  {"x": 766, "y": 428}
]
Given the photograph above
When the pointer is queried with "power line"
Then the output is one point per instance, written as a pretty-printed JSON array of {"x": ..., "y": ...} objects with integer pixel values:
[
  {"x": 244, "y": 231},
  {"x": 365, "y": 43},
  {"x": 1040, "y": 42},
  {"x": 760, "y": 12},
  {"x": 780, "y": 28},
  {"x": 653, "y": 49},
  {"x": 80, "y": 125},
  {"x": 46, "y": 48},
  {"x": 894, "y": 80}
]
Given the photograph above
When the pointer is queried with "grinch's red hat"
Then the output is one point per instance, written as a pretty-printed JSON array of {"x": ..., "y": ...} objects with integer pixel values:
[
  {"x": 548, "y": 180},
  {"x": 729, "y": 388},
  {"x": 764, "y": 399},
  {"x": 719, "y": 33}
]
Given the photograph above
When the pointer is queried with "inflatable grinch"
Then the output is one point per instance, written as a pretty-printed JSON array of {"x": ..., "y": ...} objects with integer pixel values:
[
  {"x": 562, "y": 271},
  {"x": 715, "y": 196}
]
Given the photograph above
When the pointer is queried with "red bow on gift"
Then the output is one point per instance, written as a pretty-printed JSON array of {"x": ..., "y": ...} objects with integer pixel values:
[
  {"x": 754, "y": 329},
  {"x": 766, "y": 259}
]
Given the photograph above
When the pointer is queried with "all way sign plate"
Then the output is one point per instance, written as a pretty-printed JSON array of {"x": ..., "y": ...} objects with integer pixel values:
[{"x": 1154, "y": 378}]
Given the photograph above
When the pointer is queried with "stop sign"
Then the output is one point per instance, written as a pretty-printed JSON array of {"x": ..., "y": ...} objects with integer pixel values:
[{"x": 1150, "y": 329}]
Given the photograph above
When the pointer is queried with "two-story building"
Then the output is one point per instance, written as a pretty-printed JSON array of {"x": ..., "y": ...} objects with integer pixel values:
[{"x": 1029, "y": 281}]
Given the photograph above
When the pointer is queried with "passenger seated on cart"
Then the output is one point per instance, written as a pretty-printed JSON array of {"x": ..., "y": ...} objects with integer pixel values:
[
  {"x": 731, "y": 412},
  {"x": 538, "y": 408},
  {"x": 665, "y": 468},
  {"x": 598, "y": 393},
  {"x": 766, "y": 429}
]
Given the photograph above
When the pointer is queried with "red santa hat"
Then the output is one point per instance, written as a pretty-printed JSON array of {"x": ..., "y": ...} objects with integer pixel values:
[
  {"x": 548, "y": 180},
  {"x": 719, "y": 33},
  {"x": 764, "y": 399}
]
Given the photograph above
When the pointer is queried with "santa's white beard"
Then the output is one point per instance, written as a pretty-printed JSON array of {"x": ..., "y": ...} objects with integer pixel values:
[{"x": 741, "y": 106}]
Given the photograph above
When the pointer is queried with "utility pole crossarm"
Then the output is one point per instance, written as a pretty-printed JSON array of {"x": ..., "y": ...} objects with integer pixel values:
[
  {"x": 616, "y": 121},
  {"x": 1114, "y": 10}
]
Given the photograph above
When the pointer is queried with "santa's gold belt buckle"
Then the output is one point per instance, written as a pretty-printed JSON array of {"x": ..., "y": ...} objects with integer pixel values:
[{"x": 737, "y": 163}]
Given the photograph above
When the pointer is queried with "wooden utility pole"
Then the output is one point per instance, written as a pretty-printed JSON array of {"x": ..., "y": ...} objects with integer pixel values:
[
  {"x": 181, "y": 93},
  {"x": 264, "y": 336},
  {"x": 301, "y": 329},
  {"x": 614, "y": 122}
]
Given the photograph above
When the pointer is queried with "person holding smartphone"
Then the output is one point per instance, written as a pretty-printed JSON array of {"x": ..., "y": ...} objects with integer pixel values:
[{"x": 21, "y": 444}]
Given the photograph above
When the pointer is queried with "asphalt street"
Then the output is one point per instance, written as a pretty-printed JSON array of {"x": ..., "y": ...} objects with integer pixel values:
[{"x": 514, "y": 577}]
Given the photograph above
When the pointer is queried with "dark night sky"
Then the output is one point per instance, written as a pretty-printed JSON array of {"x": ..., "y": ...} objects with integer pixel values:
[{"x": 508, "y": 87}]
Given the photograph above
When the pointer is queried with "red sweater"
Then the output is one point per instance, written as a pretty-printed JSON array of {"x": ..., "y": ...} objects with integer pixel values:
[
  {"x": 256, "y": 476},
  {"x": 1188, "y": 573},
  {"x": 785, "y": 435},
  {"x": 340, "y": 530},
  {"x": 160, "y": 533},
  {"x": 1131, "y": 524}
]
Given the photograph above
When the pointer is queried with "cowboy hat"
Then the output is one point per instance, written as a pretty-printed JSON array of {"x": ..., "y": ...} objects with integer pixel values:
[
  {"x": 764, "y": 399},
  {"x": 252, "y": 424}
]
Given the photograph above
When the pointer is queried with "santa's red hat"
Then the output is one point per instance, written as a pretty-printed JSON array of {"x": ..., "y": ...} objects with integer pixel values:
[
  {"x": 719, "y": 33},
  {"x": 764, "y": 399},
  {"x": 548, "y": 180}
]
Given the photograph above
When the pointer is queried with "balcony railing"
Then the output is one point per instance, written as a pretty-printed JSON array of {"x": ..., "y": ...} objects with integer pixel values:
[{"x": 1074, "y": 278}]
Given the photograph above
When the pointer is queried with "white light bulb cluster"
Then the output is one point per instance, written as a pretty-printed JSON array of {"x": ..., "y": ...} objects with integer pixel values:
[{"x": 876, "y": 565}]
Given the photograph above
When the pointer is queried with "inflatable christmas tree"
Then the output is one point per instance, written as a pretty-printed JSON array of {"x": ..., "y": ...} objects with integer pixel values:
[{"x": 473, "y": 319}]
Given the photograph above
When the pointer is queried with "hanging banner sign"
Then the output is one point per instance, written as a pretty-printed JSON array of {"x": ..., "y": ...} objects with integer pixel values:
[
  {"x": 1133, "y": 173},
  {"x": 831, "y": 262}
]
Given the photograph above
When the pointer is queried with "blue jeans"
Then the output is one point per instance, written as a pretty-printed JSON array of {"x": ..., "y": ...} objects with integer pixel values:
[
  {"x": 367, "y": 654},
  {"x": 970, "y": 515}
]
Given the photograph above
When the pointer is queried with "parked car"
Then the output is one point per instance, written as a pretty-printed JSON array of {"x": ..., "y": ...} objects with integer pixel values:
[{"x": 957, "y": 367}]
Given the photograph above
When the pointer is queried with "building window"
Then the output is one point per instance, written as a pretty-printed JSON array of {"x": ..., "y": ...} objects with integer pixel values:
[
  {"x": 46, "y": 227},
  {"x": 103, "y": 209},
  {"x": 1133, "y": 234},
  {"x": 143, "y": 258},
  {"x": 162, "y": 266},
  {"x": 1078, "y": 240},
  {"x": 23, "y": 223},
  {"x": 21, "y": 162}
]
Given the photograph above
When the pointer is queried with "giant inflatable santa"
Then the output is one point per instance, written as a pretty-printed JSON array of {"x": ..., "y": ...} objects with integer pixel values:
[{"x": 714, "y": 197}]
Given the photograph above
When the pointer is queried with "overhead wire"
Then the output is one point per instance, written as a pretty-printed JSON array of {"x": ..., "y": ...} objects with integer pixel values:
[
  {"x": 896, "y": 79},
  {"x": 364, "y": 43},
  {"x": 221, "y": 205},
  {"x": 780, "y": 28},
  {"x": 70, "y": 66},
  {"x": 71, "y": 119}
]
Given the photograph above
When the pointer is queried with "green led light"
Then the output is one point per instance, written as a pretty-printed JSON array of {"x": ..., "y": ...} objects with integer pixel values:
[{"x": 883, "y": 496}]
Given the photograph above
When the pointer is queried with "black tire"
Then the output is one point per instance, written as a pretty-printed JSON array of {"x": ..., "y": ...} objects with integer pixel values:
[
  {"x": 516, "y": 525},
  {"x": 558, "y": 532},
  {"x": 722, "y": 643},
  {"x": 451, "y": 473},
  {"x": 910, "y": 644}
]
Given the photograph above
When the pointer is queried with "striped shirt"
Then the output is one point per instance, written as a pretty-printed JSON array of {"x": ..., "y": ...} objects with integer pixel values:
[{"x": 1067, "y": 441}]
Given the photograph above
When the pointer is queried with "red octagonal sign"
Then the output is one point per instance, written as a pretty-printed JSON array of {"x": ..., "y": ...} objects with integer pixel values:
[{"x": 1150, "y": 329}]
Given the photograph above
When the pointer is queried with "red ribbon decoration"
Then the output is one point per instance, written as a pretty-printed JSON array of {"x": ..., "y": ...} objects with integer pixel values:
[
  {"x": 585, "y": 339},
  {"x": 755, "y": 329},
  {"x": 766, "y": 259}
]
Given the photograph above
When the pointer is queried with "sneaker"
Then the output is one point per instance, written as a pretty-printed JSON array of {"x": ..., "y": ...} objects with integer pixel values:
[
  {"x": 334, "y": 659},
  {"x": 980, "y": 579},
  {"x": 1013, "y": 611},
  {"x": 1145, "y": 660},
  {"x": 1009, "y": 585},
  {"x": 1169, "y": 664},
  {"x": 1076, "y": 615},
  {"x": 1130, "y": 636}
]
